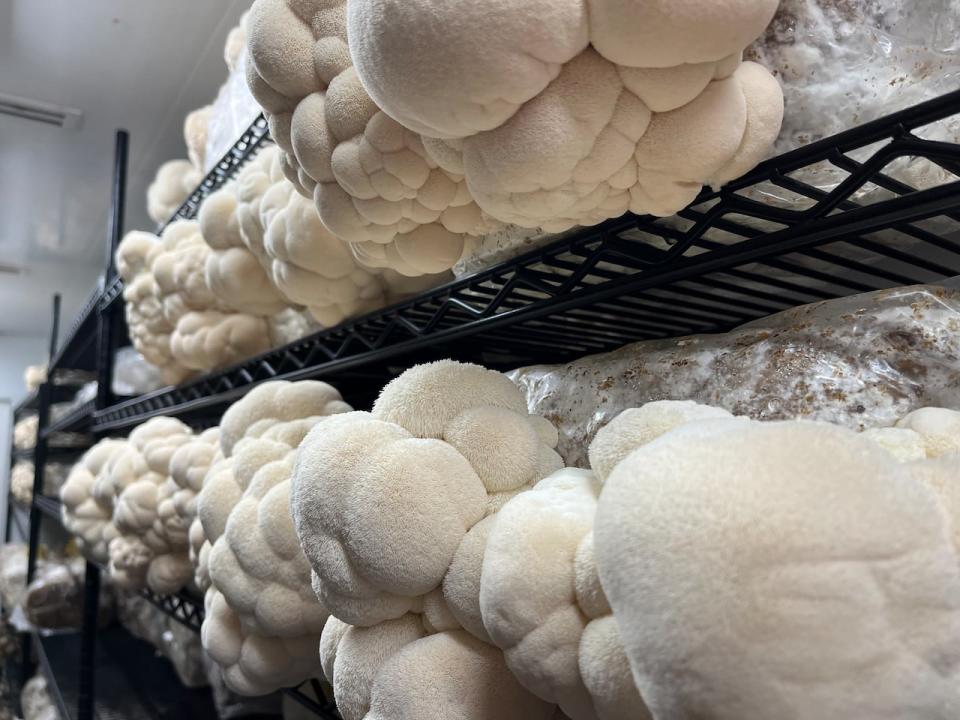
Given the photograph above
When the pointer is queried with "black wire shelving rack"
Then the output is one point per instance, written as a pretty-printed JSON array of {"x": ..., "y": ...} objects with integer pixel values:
[
  {"x": 838, "y": 217},
  {"x": 70, "y": 661},
  {"x": 873, "y": 207}
]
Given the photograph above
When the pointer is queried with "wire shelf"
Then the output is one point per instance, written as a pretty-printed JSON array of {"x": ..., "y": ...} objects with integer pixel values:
[
  {"x": 111, "y": 294},
  {"x": 53, "y": 686},
  {"x": 20, "y": 517},
  {"x": 29, "y": 403},
  {"x": 247, "y": 145},
  {"x": 60, "y": 392},
  {"x": 22, "y": 454},
  {"x": 848, "y": 214},
  {"x": 182, "y": 607},
  {"x": 769, "y": 241},
  {"x": 189, "y": 611}
]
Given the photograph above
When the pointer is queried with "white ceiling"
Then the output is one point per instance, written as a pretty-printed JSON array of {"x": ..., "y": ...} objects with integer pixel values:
[{"x": 140, "y": 65}]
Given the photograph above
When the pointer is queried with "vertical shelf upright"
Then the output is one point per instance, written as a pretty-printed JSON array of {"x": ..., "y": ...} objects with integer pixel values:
[
  {"x": 102, "y": 320},
  {"x": 106, "y": 344}
]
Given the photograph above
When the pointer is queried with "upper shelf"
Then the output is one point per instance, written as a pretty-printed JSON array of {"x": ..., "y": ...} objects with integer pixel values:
[
  {"x": 79, "y": 350},
  {"x": 841, "y": 216}
]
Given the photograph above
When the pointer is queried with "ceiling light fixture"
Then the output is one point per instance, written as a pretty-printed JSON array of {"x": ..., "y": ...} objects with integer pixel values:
[{"x": 27, "y": 109}]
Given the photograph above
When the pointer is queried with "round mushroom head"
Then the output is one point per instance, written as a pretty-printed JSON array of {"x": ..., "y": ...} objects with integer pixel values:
[
  {"x": 638, "y": 426},
  {"x": 741, "y": 557}
]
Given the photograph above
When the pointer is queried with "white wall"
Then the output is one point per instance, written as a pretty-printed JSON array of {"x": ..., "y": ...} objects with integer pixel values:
[{"x": 16, "y": 352}]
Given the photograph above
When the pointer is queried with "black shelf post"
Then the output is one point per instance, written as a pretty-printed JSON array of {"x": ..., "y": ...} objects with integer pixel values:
[
  {"x": 106, "y": 346},
  {"x": 107, "y": 339},
  {"x": 88, "y": 641}
]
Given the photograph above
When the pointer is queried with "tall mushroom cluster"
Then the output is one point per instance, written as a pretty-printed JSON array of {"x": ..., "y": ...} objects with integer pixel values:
[
  {"x": 392, "y": 508},
  {"x": 263, "y": 621},
  {"x": 418, "y": 128}
]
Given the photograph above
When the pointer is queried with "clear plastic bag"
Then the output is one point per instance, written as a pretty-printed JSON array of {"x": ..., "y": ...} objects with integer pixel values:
[
  {"x": 132, "y": 375},
  {"x": 54, "y": 598},
  {"x": 842, "y": 63},
  {"x": 233, "y": 111},
  {"x": 502, "y": 246},
  {"x": 861, "y": 361},
  {"x": 85, "y": 394}
]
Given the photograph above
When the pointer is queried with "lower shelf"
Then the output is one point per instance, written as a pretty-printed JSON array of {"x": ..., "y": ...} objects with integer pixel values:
[
  {"x": 188, "y": 610},
  {"x": 183, "y": 607},
  {"x": 132, "y": 680}
]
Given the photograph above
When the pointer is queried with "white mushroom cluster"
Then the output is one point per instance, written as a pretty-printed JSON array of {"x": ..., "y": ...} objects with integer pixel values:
[
  {"x": 176, "y": 321},
  {"x": 373, "y": 181},
  {"x": 87, "y": 513},
  {"x": 263, "y": 621},
  {"x": 258, "y": 270},
  {"x": 419, "y": 128},
  {"x": 174, "y": 181},
  {"x": 124, "y": 503},
  {"x": 392, "y": 508},
  {"x": 648, "y": 100},
  {"x": 25, "y": 432},
  {"x": 619, "y": 592},
  {"x": 34, "y": 376},
  {"x": 22, "y": 476},
  {"x": 270, "y": 251},
  {"x": 136, "y": 477},
  {"x": 738, "y": 556}
]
